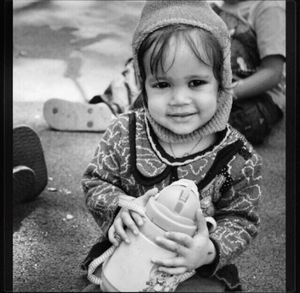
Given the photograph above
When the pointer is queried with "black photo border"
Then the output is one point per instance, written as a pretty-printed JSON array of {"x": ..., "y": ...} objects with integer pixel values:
[{"x": 292, "y": 69}]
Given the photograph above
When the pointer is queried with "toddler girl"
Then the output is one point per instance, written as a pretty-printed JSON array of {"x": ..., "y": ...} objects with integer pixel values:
[{"x": 181, "y": 51}]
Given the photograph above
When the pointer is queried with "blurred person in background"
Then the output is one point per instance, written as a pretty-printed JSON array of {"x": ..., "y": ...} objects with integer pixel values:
[{"x": 257, "y": 30}]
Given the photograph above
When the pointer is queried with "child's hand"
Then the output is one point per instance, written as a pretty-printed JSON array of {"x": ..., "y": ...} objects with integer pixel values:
[
  {"x": 129, "y": 219},
  {"x": 192, "y": 252}
]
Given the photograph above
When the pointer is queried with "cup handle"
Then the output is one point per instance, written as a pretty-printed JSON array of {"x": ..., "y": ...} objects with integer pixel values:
[{"x": 212, "y": 224}]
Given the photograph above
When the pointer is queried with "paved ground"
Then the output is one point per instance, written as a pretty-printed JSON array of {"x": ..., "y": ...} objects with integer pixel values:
[{"x": 72, "y": 49}]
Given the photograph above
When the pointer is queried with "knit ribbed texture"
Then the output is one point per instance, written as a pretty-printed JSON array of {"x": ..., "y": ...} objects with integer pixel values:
[{"x": 160, "y": 13}]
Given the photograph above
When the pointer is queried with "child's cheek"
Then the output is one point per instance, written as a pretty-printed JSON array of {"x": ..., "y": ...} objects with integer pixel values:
[
  {"x": 153, "y": 108},
  {"x": 155, "y": 103}
]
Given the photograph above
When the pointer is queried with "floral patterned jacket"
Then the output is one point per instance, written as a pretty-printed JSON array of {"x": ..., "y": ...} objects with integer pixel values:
[{"x": 129, "y": 160}]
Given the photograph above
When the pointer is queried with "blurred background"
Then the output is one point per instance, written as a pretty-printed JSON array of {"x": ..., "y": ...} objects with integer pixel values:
[
  {"x": 69, "y": 49},
  {"x": 72, "y": 49}
]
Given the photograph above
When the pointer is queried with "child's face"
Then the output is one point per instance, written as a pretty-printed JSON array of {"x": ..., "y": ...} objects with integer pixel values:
[{"x": 184, "y": 98}]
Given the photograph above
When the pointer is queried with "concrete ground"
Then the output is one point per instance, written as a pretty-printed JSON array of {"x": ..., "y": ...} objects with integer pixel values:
[{"x": 71, "y": 50}]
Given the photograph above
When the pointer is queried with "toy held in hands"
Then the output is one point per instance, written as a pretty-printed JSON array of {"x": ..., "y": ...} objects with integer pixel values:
[{"x": 128, "y": 267}]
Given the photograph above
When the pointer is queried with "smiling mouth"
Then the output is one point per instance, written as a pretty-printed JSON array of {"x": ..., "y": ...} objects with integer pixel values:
[{"x": 181, "y": 115}]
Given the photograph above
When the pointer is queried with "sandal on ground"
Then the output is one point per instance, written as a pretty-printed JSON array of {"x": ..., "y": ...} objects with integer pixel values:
[
  {"x": 75, "y": 116},
  {"x": 28, "y": 155}
]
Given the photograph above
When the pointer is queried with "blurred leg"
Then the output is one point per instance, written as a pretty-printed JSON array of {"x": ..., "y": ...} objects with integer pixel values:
[{"x": 255, "y": 117}]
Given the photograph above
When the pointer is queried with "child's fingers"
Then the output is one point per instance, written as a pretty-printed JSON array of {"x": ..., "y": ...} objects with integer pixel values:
[
  {"x": 129, "y": 223},
  {"x": 133, "y": 207},
  {"x": 112, "y": 236},
  {"x": 170, "y": 245},
  {"x": 169, "y": 262},
  {"x": 137, "y": 218},
  {"x": 180, "y": 238},
  {"x": 173, "y": 271},
  {"x": 119, "y": 229}
]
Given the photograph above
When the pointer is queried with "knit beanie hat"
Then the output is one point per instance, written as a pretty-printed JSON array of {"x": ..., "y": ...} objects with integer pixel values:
[{"x": 197, "y": 13}]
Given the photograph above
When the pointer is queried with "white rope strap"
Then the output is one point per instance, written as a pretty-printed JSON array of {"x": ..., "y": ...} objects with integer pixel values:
[{"x": 96, "y": 263}]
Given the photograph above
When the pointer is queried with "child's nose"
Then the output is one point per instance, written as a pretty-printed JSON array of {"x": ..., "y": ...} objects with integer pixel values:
[{"x": 179, "y": 96}]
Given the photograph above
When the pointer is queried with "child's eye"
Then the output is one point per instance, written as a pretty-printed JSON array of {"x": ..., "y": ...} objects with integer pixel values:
[
  {"x": 196, "y": 83},
  {"x": 160, "y": 85}
]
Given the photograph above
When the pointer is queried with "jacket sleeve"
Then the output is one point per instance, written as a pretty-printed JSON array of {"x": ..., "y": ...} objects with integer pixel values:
[
  {"x": 236, "y": 212},
  {"x": 101, "y": 181},
  {"x": 269, "y": 21}
]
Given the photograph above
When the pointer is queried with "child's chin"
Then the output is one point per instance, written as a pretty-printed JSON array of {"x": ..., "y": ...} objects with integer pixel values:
[{"x": 182, "y": 131}]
